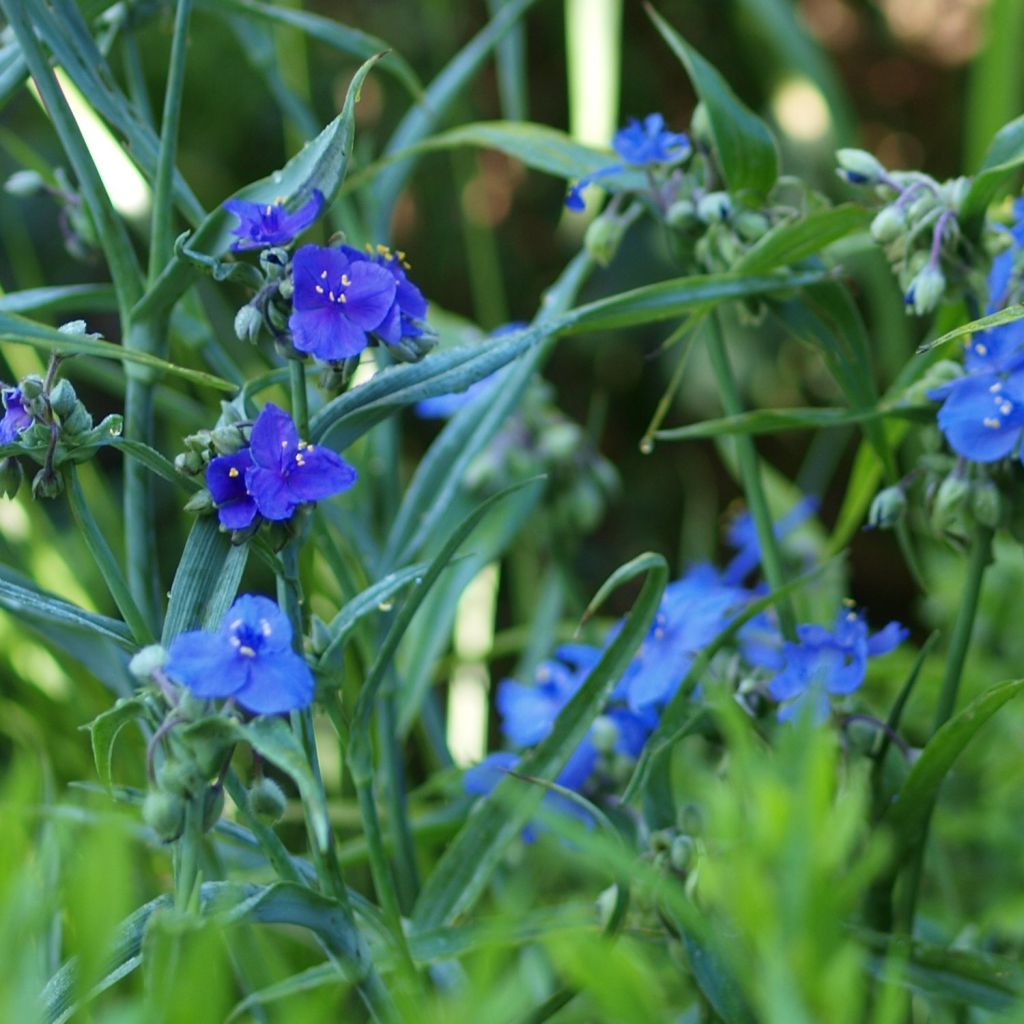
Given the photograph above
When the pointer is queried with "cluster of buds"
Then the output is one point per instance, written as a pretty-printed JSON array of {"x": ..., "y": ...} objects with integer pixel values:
[
  {"x": 230, "y": 434},
  {"x": 918, "y": 226}
]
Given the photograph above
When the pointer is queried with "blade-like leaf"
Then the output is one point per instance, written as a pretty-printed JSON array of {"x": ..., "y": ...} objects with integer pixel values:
[
  {"x": 796, "y": 240},
  {"x": 1004, "y": 155},
  {"x": 105, "y": 728}
]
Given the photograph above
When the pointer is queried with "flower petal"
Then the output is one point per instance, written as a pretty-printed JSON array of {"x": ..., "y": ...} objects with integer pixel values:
[
  {"x": 262, "y": 615},
  {"x": 326, "y": 333},
  {"x": 317, "y": 473},
  {"x": 278, "y": 681},
  {"x": 275, "y": 438},
  {"x": 270, "y": 491},
  {"x": 207, "y": 664},
  {"x": 370, "y": 295}
]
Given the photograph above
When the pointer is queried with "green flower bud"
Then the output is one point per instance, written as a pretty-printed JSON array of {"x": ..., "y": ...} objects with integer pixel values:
[
  {"x": 859, "y": 167},
  {"x": 164, "y": 813},
  {"x": 890, "y": 222},
  {"x": 147, "y": 661},
  {"x": 63, "y": 398},
  {"x": 714, "y": 207},
  {"x": 412, "y": 350},
  {"x": 191, "y": 463},
  {"x": 926, "y": 290},
  {"x": 199, "y": 442},
  {"x": 751, "y": 225},
  {"x": 681, "y": 215},
  {"x": 180, "y": 778},
  {"x": 11, "y": 476},
  {"x": 950, "y": 500},
  {"x": 560, "y": 441},
  {"x": 987, "y": 504},
  {"x": 604, "y": 734},
  {"x": 248, "y": 323},
  {"x": 602, "y": 239},
  {"x": 700, "y": 127},
  {"x": 47, "y": 483},
  {"x": 267, "y": 801},
  {"x": 924, "y": 204},
  {"x": 273, "y": 261},
  {"x": 24, "y": 184},
  {"x": 888, "y": 508},
  {"x": 200, "y": 502},
  {"x": 213, "y": 807},
  {"x": 939, "y": 374},
  {"x": 78, "y": 422},
  {"x": 31, "y": 388},
  {"x": 74, "y": 327},
  {"x": 683, "y": 854},
  {"x": 227, "y": 440}
]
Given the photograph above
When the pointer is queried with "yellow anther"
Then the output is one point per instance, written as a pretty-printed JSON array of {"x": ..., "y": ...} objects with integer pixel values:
[
  {"x": 320, "y": 289},
  {"x": 981, "y": 349},
  {"x": 343, "y": 297},
  {"x": 346, "y": 280},
  {"x": 323, "y": 275},
  {"x": 383, "y": 250},
  {"x": 992, "y": 423},
  {"x": 233, "y": 472},
  {"x": 247, "y": 651}
]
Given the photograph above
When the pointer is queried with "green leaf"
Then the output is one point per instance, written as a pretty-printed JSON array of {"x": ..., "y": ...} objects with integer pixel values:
[
  {"x": 1004, "y": 156},
  {"x": 21, "y": 331},
  {"x": 73, "y": 298},
  {"x": 469, "y": 861},
  {"x": 669, "y": 300},
  {"x": 206, "y": 580},
  {"x": 332, "y": 33},
  {"x": 37, "y": 604},
  {"x": 985, "y": 323},
  {"x": 106, "y": 727},
  {"x": 312, "y": 978},
  {"x": 153, "y": 461},
  {"x": 746, "y": 149},
  {"x": 714, "y": 979},
  {"x": 907, "y": 816},
  {"x": 796, "y": 240},
  {"x": 321, "y": 164}
]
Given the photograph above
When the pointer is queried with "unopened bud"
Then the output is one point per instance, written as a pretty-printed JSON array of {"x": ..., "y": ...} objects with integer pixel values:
[
  {"x": 889, "y": 223},
  {"x": 267, "y": 801},
  {"x": 227, "y": 440},
  {"x": 79, "y": 421},
  {"x": 24, "y": 184},
  {"x": 859, "y": 167},
  {"x": 602, "y": 239},
  {"x": 949, "y": 501},
  {"x": 751, "y": 225},
  {"x": 888, "y": 508},
  {"x": 63, "y": 398},
  {"x": 148, "y": 660},
  {"x": 987, "y": 504},
  {"x": 926, "y": 290},
  {"x": 11, "y": 476},
  {"x": 164, "y": 813},
  {"x": 213, "y": 807},
  {"x": 47, "y": 483},
  {"x": 714, "y": 207},
  {"x": 200, "y": 502},
  {"x": 604, "y": 734},
  {"x": 682, "y": 214},
  {"x": 248, "y": 323},
  {"x": 683, "y": 853}
]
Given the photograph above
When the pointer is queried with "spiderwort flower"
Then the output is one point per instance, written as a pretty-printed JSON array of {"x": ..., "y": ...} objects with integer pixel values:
[
  {"x": 338, "y": 301},
  {"x": 16, "y": 418},
  {"x": 983, "y": 415},
  {"x": 409, "y": 308},
  {"x": 276, "y": 474},
  {"x": 265, "y": 224},
  {"x": 644, "y": 143},
  {"x": 249, "y": 659},
  {"x": 829, "y": 661}
]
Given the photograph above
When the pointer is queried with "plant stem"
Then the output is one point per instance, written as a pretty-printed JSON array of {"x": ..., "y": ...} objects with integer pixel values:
[
  {"x": 300, "y": 404},
  {"x": 162, "y": 238},
  {"x": 979, "y": 559},
  {"x": 186, "y": 867},
  {"x": 750, "y": 476}
]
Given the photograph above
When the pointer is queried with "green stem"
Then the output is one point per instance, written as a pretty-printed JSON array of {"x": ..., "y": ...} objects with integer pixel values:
[
  {"x": 105, "y": 560},
  {"x": 300, "y": 403},
  {"x": 161, "y": 246},
  {"x": 979, "y": 559},
  {"x": 750, "y": 476},
  {"x": 186, "y": 866}
]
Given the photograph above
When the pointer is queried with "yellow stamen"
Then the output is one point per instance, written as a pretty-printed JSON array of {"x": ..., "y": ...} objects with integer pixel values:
[
  {"x": 233, "y": 472},
  {"x": 247, "y": 651}
]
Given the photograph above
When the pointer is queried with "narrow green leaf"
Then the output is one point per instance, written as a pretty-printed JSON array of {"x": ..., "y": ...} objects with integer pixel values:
[
  {"x": 68, "y": 298},
  {"x": 206, "y": 580},
  {"x": 467, "y": 864},
  {"x": 714, "y": 979},
  {"x": 154, "y": 461},
  {"x": 985, "y": 323},
  {"x": 332, "y": 33},
  {"x": 796, "y": 240},
  {"x": 37, "y": 604},
  {"x": 105, "y": 728},
  {"x": 907, "y": 816},
  {"x": 312, "y": 978},
  {"x": 746, "y": 149},
  {"x": 21, "y": 331},
  {"x": 1004, "y": 156}
]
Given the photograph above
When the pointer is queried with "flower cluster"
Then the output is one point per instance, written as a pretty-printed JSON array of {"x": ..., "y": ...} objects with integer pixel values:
[
  {"x": 275, "y": 474},
  {"x": 249, "y": 659},
  {"x": 344, "y": 295},
  {"x": 646, "y": 144}
]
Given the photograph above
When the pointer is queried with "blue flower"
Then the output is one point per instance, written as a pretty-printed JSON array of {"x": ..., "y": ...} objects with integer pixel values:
[
  {"x": 829, "y": 661},
  {"x": 275, "y": 475},
  {"x": 16, "y": 417},
  {"x": 338, "y": 301},
  {"x": 983, "y": 415},
  {"x": 249, "y": 659},
  {"x": 263, "y": 224},
  {"x": 743, "y": 537},
  {"x": 409, "y": 308},
  {"x": 644, "y": 143}
]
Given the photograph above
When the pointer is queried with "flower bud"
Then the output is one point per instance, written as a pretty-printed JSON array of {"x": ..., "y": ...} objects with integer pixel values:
[
  {"x": 751, "y": 225},
  {"x": 950, "y": 499},
  {"x": 859, "y": 167},
  {"x": 47, "y": 483},
  {"x": 888, "y": 508},
  {"x": 24, "y": 184},
  {"x": 200, "y": 502},
  {"x": 604, "y": 734},
  {"x": 63, "y": 398},
  {"x": 11, "y": 477},
  {"x": 74, "y": 328},
  {"x": 78, "y": 422},
  {"x": 273, "y": 261},
  {"x": 890, "y": 222},
  {"x": 714, "y": 207},
  {"x": 922, "y": 206},
  {"x": 681, "y": 215},
  {"x": 213, "y": 807},
  {"x": 412, "y": 350},
  {"x": 248, "y": 323},
  {"x": 683, "y": 854},
  {"x": 31, "y": 388},
  {"x": 199, "y": 442},
  {"x": 146, "y": 661},
  {"x": 987, "y": 504},
  {"x": 926, "y": 290},
  {"x": 602, "y": 239},
  {"x": 227, "y": 440},
  {"x": 700, "y": 127},
  {"x": 267, "y": 801},
  {"x": 164, "y": 813},
  {"x": 190, "y": 463}
]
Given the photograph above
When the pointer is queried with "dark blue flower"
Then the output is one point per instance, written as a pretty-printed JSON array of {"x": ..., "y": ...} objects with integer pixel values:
[
  {"x": 829, "y": 661},
  {"x": 743, "y": 538},
  {"x": 263, "y": 224},
  {"x": 644, "y": 143},
  {"x": 276, "y": 474},
  {"x": 249, "y": 659},
  {"x": 983, "y": 415},
  {"x": 409, "y": 308},
  {"x": 338, "y": 301},
  {"x": 16, "y": 417}
]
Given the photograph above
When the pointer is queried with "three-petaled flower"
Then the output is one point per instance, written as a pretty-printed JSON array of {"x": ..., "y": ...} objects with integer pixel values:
[
  {"x": 249, "y": 659},
  {"x": 276, "y": 474},
  {"x": 409, "y": 308},
  {"x": 646, "y": 143},
  {"x": 264, "y": 224}
]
